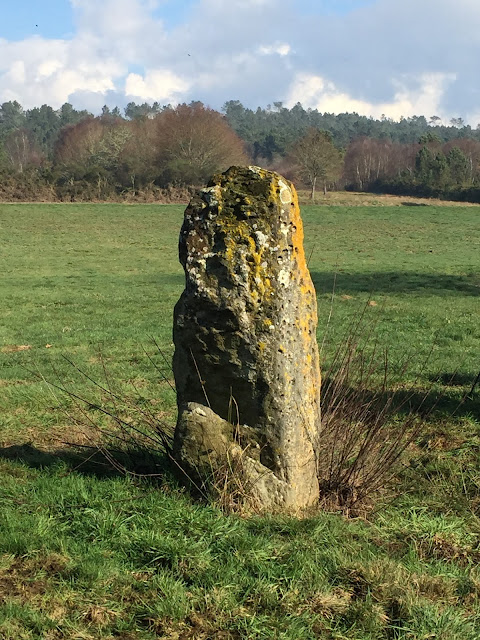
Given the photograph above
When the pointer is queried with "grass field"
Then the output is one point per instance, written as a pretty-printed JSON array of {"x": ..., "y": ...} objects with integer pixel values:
[{"x": 89, "y": 554}]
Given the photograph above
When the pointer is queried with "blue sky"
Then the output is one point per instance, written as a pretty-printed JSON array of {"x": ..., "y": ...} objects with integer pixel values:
[
  {"x": 48, "y": 18},
  {"x": 392, "y": 57},
  {"x": 55, "y": 18}
]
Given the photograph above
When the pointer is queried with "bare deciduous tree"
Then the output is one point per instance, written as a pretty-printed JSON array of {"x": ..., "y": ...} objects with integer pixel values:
[
  {"x": 370, "y": 159},
  {"x": 21, "y": 150},
  {"x": 317, "y": 159},
  {"x": 194, "y": 142}
]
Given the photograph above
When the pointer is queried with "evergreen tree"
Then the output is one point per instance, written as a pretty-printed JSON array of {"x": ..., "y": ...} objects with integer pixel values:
[{"x": 459, "y": 167}]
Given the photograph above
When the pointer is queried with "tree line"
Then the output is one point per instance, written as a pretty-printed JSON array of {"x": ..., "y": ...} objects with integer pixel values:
[{"x": 152, "y": 152}]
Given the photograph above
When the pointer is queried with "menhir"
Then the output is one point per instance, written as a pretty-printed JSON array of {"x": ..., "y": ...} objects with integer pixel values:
[{"x": 246, "y": 359}]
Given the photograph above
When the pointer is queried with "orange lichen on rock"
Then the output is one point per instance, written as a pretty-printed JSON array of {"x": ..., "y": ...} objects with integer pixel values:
[{"x": 245, "y": 332}]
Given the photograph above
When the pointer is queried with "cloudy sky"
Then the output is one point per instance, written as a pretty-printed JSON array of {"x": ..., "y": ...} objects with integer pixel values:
[{"x": 392, "y": 57}]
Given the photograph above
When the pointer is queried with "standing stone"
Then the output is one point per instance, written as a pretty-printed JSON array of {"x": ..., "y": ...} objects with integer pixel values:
[{"x": 246, "y": 359}]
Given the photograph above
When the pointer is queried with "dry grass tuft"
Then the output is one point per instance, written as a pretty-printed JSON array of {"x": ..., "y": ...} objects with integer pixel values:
[{"x": 14, "y": 348}]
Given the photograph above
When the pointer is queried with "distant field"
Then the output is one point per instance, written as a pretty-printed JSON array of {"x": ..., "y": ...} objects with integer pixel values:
[
  {"x": 97, "y": 283},
  {"x": 83, "y": 278},
  {"x": 360, "y": 198}
]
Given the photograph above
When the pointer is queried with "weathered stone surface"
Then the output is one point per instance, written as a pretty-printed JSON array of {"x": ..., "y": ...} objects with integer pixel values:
[{"x": 245, "y": 338}]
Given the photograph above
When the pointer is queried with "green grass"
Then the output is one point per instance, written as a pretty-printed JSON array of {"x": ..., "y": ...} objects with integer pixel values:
[{"x": 88, "y": 554}]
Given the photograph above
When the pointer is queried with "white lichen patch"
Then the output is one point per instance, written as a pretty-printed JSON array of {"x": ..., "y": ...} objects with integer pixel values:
[
  {"x": 260, "y": 239},
  {"x": 284, "y": 277},
  {"x": 212, "y": 195},
  {"x": 284, "y": 229},
  {"x": 285, "y": 193}
]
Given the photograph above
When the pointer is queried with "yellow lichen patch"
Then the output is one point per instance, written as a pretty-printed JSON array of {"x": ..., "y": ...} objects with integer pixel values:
[
  {"x": 297, "y": 241},
  {"x": 260, "y": 283},
  {"x": 241, "y": 251}
]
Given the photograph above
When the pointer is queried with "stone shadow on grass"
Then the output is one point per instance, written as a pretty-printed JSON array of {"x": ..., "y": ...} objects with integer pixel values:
[
  {"x": 376, "y": 282},
  {"x": 92, "y": 462},
  {"x": 447, "y": 398},
  {"x": 456, "y": 378}
]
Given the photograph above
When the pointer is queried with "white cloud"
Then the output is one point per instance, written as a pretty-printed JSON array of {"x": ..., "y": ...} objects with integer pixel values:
[
  {"x": 16, "y": 73},
  {"x": 397, "y": 57},
  {"x": 48, "y": 68},
  {"x": 317, "y": 93},
  {"x": 38, "y": 71},
  {"x": 163, "y": 86},
  {"x": 279, "y": 48}
]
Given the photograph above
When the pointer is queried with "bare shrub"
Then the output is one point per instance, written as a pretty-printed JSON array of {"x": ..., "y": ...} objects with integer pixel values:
[
  {"x": 369, "y": 418},
  {"x": 116, "y": 420}
]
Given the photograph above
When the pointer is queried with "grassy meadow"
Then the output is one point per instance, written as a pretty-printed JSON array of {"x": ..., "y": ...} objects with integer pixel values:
[{"x": 87, "y": 553}]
